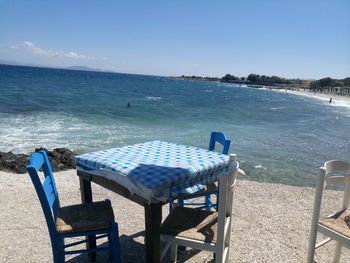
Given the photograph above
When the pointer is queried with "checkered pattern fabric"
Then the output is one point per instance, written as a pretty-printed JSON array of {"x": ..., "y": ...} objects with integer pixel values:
[{"x": 158, "y": 165}]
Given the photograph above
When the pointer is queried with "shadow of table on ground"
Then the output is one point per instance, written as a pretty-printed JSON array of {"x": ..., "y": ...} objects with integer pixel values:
[{"x": 131, "y": 251}]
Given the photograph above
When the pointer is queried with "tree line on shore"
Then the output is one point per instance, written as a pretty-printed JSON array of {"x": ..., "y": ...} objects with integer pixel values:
[
  {"x": 329, "y": 82},
  {"x": 256, "y": 79}
]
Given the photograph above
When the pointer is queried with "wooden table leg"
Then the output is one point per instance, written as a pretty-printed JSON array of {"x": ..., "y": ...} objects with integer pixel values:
[
  {"x": 153, "y": 218},
  {"x": 86, "y": 197}
]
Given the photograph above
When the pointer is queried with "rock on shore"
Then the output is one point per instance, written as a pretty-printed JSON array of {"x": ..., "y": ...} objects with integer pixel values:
[{"x": 61, "y": 159}]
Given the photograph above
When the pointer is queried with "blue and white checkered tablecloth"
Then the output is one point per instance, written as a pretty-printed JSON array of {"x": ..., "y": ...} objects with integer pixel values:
[{"x": 156, "y": 170}]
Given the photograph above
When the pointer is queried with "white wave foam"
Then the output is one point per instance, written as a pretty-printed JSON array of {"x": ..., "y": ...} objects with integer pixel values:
[
  {"x": 23, "y": 133},
  {"x": 259, "y": 167},
  {"x": 276, "y": 108},
  {"x": 153, "y": 98},
  {"x": 337, "y": 100}
]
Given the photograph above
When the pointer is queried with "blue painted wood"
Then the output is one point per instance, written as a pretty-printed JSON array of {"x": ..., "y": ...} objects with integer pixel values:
[
  {"x": 48, "y": 197},
  {"x": 220, "y": 138},
  {"x": 215, "y": 137}
]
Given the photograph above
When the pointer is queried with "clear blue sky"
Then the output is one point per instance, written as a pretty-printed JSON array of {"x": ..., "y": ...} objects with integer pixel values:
[{"x": 288, "y": 38}]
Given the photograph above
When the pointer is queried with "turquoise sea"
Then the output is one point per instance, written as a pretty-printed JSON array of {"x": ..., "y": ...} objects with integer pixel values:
[{"x": 278, "y": 137}]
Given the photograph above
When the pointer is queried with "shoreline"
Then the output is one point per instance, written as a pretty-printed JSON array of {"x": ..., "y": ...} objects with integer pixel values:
[
  {"x": 318, "y": 95},
  {"x": 271, "y": 223},
  {"x": 337, "y": 100}
]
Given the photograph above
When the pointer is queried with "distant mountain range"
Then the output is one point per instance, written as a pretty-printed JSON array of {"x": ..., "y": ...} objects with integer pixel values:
[
  {"x": 13, "y": 63},
  {"x": 82, "y": 68}
]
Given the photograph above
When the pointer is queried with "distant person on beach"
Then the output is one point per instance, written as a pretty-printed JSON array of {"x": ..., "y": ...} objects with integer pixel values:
[
  {"x": 330, "y": 100},
  {"x": 129, "y": 105}
]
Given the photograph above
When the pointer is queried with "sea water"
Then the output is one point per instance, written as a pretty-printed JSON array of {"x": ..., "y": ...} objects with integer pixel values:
[{"x": 278, "y": 137}]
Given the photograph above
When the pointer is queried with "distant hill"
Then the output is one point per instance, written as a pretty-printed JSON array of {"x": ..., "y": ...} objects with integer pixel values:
[
  {"x": 83, "y": 68},
  {"x": 13, "y": 63}
]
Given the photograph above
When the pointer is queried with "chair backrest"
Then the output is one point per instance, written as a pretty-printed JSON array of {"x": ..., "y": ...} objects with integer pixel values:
[
  {"x": 220, "y": 138},
  {"x": 326, "y": 177},
  {"x": 337, "y": 166},
  {"x": 226, "y": 184},
  {"x": 46, "y": 191}
]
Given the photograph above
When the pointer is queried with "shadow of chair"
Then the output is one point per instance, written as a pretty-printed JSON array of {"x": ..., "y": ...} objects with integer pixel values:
[
  {"x": 336, "y": 226},
  {"x": 130, "y": 251}
]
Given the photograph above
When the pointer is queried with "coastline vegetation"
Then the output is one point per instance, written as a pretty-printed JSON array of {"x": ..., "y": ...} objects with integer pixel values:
[
  {"x": 329, "y": 85},
  {"x": 329, "y": 82}
]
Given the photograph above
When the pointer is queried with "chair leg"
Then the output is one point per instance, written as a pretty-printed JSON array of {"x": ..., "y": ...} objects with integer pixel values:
[
  {"x": 114, "y": 244},
  {"x": 172, "y": 205},
  {"x": 180, "y": 202},
  {"x": 58, "y": 258},
  {"x": 337, "y": 252},
  {"x": 111, "y": 247},
  {"x": 165, "y": 250},
  {"x": 219, "y": 254},
  {"x": 218, "y": 258},
  {"x": 173, "y": 252},
  {"x": 315, "y": 216},
  {"x": 312, "y": 244},
  {"x": 226, "y": 259},
  {"x": 58, "y": 251},
  {"x": 207, "y": 202},
  {"x": 216, "y": 206}
]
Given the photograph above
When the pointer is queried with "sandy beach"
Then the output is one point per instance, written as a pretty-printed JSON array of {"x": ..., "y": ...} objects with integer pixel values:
[
  {"x": 271, "y": 222},
  {"x": 337, "y": 100}
]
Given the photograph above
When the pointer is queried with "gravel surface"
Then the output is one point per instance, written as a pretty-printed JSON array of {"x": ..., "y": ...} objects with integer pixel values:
[{"x": 271, "y": 222}]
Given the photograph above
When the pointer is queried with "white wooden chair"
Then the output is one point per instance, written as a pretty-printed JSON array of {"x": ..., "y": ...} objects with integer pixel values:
[
  {"x": 201, "y": 229},
  {"x": 336, "y": 226}
]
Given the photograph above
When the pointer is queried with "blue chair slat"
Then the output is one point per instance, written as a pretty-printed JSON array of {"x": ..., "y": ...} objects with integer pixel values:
[
  {"x": 220, "y": 138},
  {"x": 51, "y": 199},
  {"x": 48, "y": 187},
  {"x": 48, "y": 197},
  {"x": 48, "y": 172},
  {"x": 32, "y": 169},
  {"x": 36, "y": 161},
  {"x": 215, "y": 137}
]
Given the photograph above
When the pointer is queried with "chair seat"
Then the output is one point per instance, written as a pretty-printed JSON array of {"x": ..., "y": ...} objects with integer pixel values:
[
  {"x": 84, "y": 217},
  {"x": 338, "y": 223},
  {"x": 191, "y": 223}
]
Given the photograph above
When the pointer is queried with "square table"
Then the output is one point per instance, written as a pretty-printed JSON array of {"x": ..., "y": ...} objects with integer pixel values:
[{"x": 150, "y": 174}]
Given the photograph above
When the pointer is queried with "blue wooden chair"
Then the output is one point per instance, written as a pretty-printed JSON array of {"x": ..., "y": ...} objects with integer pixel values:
[
  {"x": 91, "y": 219},
  {"x": 216, "y": 137}
]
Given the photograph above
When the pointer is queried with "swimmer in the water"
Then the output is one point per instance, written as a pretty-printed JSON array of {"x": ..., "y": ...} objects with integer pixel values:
[
  {"x": 129, "y": 105},
  {"x": 330, "y": 100}
]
